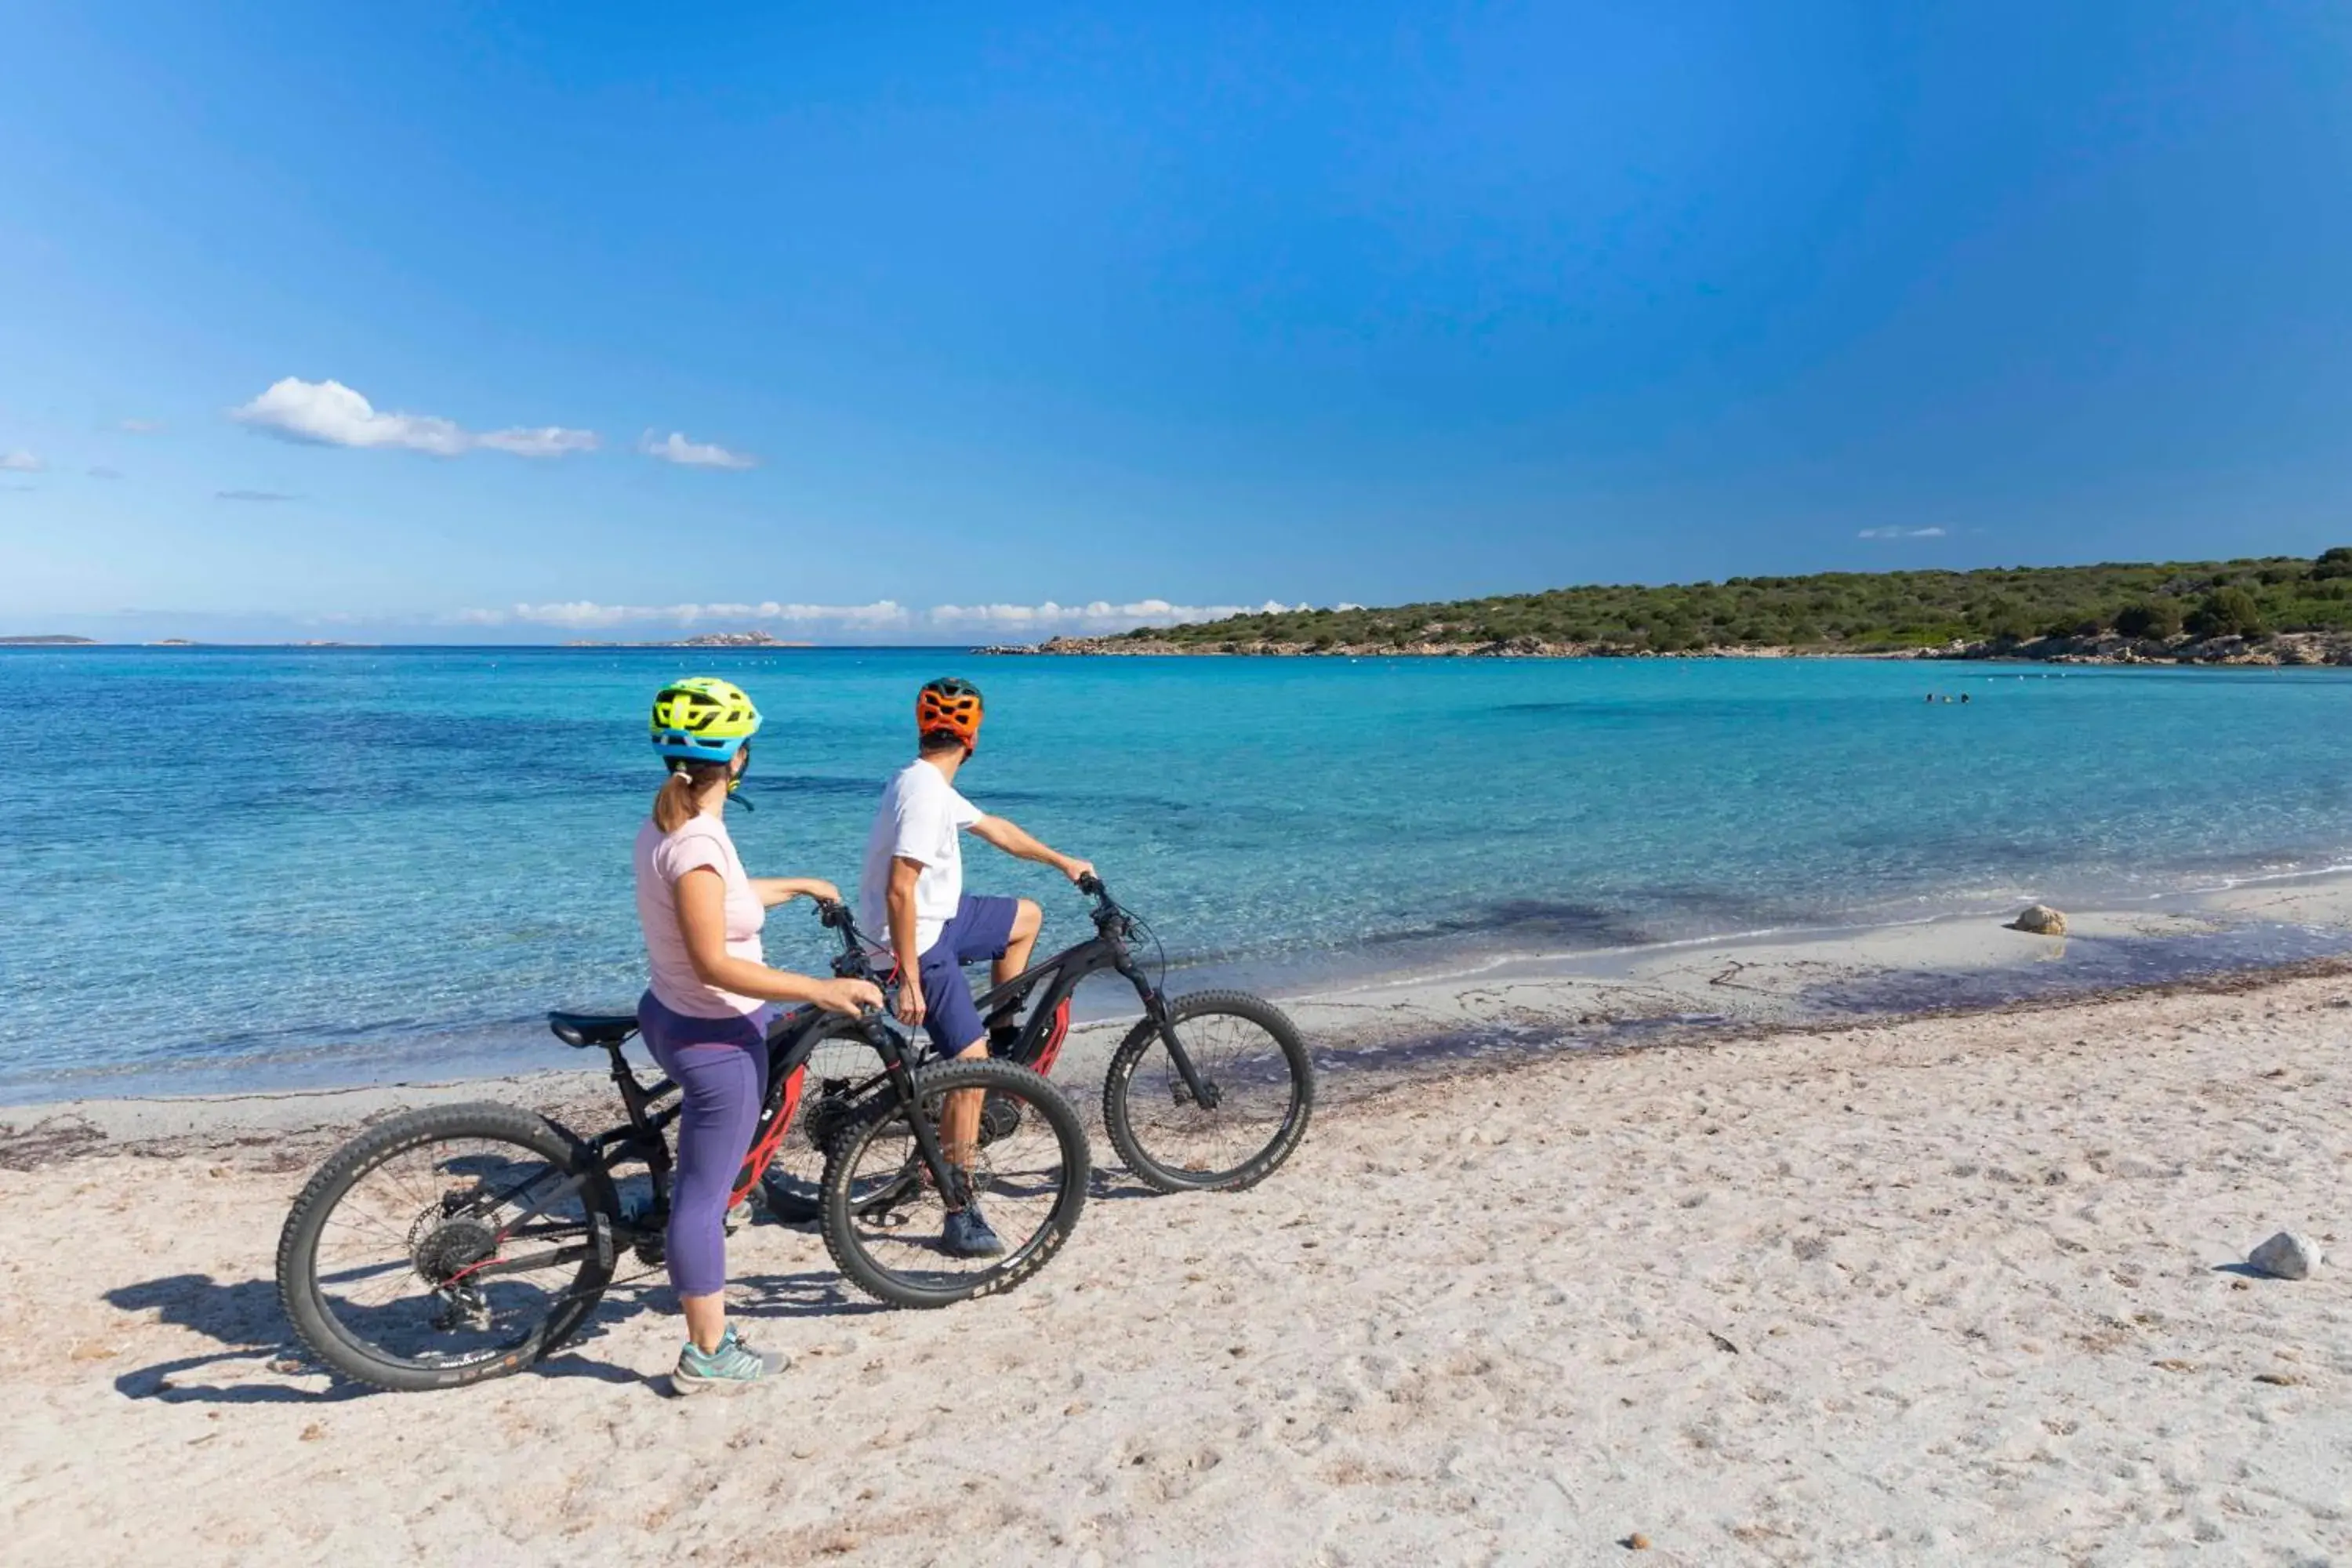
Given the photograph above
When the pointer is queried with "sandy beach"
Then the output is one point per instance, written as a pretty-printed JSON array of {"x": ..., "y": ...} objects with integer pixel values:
[{"x": 1961, "y": 1288}]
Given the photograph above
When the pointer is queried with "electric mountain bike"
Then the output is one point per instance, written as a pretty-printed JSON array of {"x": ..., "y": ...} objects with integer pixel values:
[
  {"x": 457, "y": 1243},
  {"x": 1207, "y": 1092}
]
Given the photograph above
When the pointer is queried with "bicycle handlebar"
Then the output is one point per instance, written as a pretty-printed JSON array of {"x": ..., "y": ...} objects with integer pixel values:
[{"x": 837, "y": 916}]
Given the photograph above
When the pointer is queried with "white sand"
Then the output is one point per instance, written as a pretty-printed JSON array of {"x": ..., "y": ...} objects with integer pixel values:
[{"x": 1945, "y": 1290}]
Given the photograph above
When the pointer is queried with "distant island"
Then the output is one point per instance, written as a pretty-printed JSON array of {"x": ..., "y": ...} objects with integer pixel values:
[
  {"x": 50, "y": 642},
  {"x": 2272, "y": 610},
  {"x": 704, "y": 639}
]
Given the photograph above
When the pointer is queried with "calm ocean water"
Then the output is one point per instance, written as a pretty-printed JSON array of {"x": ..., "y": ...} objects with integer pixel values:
[{"x": 313, "y": 864}]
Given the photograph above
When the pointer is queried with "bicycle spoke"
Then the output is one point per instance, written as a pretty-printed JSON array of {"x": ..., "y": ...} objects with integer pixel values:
[
  {"x": 1017, "y": 1179},
  {"x": 396, "y": 1261},
  {"x": 839, "y": 1071},
  {"x": 1252, "y": 1094}
]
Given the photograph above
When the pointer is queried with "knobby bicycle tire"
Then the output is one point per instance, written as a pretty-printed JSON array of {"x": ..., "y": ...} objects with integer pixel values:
[
  {"x": 1170, "y": 1174},
  {"x": 844, "y": 1211},
  {"x": 316, "y": 1321}
]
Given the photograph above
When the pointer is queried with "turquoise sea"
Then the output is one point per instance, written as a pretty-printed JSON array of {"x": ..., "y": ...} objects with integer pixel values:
[{"x": 235, "y": 867}]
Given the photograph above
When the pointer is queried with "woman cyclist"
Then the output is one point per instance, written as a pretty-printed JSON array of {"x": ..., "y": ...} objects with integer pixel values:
[{"x": 706, "y": 1010}]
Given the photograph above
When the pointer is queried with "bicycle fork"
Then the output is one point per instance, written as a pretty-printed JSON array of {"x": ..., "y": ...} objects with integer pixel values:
[
  {"x": 1203, "y": 1092},
  {"x": 952, "y": 1184}
]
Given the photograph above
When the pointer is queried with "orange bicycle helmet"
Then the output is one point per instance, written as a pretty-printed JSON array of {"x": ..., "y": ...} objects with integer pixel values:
[{"x": 949, "y": 705}]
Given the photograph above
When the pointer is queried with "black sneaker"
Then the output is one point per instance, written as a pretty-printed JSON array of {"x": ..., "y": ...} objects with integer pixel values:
[
  {"x": 966, "y": 1234},
  {"x": 1003, "y": 1029}
]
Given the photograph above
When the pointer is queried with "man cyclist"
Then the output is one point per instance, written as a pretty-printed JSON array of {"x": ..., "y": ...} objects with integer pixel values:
[{"x": 911, "y": 888}]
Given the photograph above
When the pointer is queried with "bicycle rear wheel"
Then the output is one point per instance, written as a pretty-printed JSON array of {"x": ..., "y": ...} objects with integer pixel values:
[
  {"x": 883, "y": 1216},
  {"x": 447, "y": 1245},
  {"x": 1243, "y": 1049},
  {"x": 793, "y": 1185}
]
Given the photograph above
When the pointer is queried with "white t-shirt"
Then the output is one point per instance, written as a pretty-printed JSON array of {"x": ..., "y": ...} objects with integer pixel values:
[
  {"x": 661, "y": 859},
  {"x": 920, "y": 817}
]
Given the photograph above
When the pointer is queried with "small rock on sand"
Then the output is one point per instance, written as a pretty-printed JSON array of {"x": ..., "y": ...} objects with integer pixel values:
[
  {"x": 2285, "y": 1256},
  {"x": 2041, "y": 920}
]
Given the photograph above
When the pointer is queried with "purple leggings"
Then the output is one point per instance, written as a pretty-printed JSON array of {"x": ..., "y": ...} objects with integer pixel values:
[{"x": 721, "y": 1065}]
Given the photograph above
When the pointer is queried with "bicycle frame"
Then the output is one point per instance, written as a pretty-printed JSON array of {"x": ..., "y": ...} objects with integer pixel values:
[
  {"x": 1039, "y": 1041},
  {"x": 792, "y": 1039}
]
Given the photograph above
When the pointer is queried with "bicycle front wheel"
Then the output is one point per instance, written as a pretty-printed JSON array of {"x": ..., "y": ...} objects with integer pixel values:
[
  {"x": 447, "y": 1245},
  {"x": 1258, "y": 1090},
  {"x": 885, "y": 1222}
]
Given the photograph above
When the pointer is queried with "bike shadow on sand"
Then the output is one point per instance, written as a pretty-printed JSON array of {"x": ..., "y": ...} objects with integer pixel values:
[
  {"x": 258, "y": 1356},
  {"x": 259, "y": 1363},
  {"x": 242, "y": 1317}
]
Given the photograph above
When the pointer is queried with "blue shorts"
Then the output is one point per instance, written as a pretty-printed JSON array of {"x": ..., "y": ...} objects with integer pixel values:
[{"x": 978, "y": 929}]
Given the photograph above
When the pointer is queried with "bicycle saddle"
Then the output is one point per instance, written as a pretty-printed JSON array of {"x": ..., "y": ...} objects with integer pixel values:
[{"x": 592, "y": 1029}]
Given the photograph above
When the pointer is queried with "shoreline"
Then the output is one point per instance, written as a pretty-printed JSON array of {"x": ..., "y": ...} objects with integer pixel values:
[
  {"x": 1504, "y": 1009},
  {"x": 309, "y": 1121}
]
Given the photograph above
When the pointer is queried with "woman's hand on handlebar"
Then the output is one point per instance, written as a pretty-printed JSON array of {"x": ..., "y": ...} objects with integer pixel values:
[
  {"x": 773, "y": 890},
  {"x": 852, "y": 997}
]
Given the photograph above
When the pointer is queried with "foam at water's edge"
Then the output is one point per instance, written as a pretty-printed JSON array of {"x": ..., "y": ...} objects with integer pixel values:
[{"x": 1925, "y": 977}]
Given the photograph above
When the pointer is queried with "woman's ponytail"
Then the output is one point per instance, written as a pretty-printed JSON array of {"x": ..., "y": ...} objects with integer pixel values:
[{"x": 675, "y": 805}]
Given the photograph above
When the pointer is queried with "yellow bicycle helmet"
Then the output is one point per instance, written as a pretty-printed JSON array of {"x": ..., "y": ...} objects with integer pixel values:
[{"x": 702, "y": 719}]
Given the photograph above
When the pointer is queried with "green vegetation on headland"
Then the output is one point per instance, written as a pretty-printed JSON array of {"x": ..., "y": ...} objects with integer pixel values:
[{"x": 2272, "y": 610}]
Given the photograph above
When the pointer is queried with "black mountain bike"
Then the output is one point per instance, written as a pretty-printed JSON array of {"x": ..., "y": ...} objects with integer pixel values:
[
  {"x": 1207, "y": 1092},
  {"x": 457, "y": 1243}
]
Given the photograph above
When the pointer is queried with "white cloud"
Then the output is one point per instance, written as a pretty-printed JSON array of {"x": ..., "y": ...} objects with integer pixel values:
[
  {"x": 546, "y": 441},
  {"x": 20, "y": 462},
  {"x": 1900, "y": 533},
  {"x": 1100, "y": 615},
  {"x": 329, "y": 414},
  {"x": 694, "y": 454},
  {"x": 581, "y": 614},
  {"x": 1096, "y": 615}
]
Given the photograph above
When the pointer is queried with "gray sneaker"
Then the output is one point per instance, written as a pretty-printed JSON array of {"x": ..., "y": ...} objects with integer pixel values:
[
  {"x": 731, "y": 1368},
  {"x": 966, "y": 1234}
]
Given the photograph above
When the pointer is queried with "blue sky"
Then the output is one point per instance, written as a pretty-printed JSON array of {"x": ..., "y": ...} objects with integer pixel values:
[{"x": 465, "y": 322}]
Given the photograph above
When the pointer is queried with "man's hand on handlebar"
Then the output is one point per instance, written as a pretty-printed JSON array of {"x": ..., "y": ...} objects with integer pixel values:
[
  {"x": 1077, "y": 870},
  {"x": 852, "y": 997}
]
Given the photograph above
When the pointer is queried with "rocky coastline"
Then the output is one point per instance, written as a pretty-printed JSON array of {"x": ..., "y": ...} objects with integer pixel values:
[{"x": 2281, "y": 649}]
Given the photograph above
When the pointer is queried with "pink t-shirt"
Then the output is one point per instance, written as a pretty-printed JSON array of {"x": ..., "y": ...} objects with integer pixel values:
[{"x": 661, "y": 859}]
